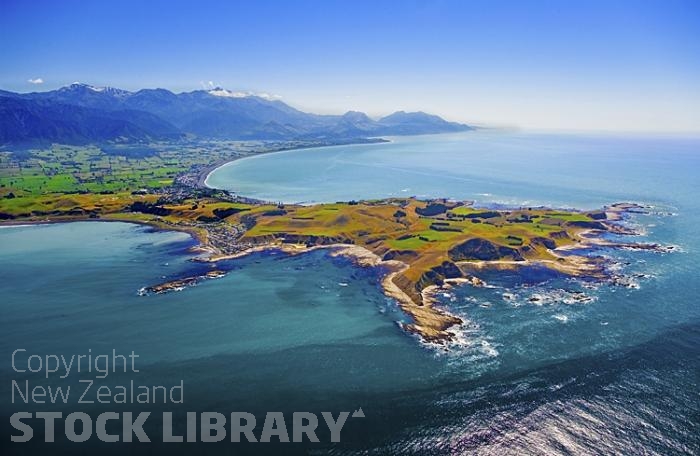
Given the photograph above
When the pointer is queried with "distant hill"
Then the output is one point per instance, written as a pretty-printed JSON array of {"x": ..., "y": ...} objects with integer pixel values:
[
  {"x": 416, "y": 123},
  {"x": 81, "y": 113}
]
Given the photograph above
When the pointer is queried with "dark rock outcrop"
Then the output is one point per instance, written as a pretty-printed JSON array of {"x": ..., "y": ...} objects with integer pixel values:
[
  {"x": 438, "y": 274},
  {"x": 598, "y": 215},
  {"x": 223, "y": 213},
  {"x": 587, "y": 224},
  {"x": 482, "y": 249},
  {"x": 449, "y": 270},
  {"x": 484, "y": 214},
  {"x": 432, "y": 209},
  {"x": 147, "y": 208},
  {"x": 275, "y": 212},
  {"x": 437, "y": 226},
  {"x": 559, "y": 235},
  {"x": 543, "y": 241}
]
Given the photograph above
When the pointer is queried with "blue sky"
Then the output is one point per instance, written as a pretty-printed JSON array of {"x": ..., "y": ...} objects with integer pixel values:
[{"x": 589, "y": 65}]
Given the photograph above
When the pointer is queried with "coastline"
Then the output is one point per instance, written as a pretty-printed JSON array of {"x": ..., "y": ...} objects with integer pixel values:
[
  {"x": 202, "y": 242},
  {"x": 413, "y": 263},
  {"x": 429, "y": 321},
  {"x": 206, "y": 171},
  {"x": 203, "y": 175}
]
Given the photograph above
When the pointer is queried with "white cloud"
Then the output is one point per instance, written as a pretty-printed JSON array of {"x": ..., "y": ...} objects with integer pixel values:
[
  {"x": 35, "y": 81},
  {"x": 216, "y": 90},
  {"x": 268, "y": 96},
  {"x": 219, "y": 92}
]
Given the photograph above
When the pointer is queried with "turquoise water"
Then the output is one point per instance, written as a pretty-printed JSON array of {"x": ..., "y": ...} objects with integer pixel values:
[
  {"x": 618, "y": 374},
  {"x": 484, "y": 166}
]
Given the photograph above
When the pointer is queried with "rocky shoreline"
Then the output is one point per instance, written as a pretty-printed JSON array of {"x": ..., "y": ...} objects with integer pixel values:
[
  {"x": 429, "y": 321},
  {"x": 229, "y": 231}
]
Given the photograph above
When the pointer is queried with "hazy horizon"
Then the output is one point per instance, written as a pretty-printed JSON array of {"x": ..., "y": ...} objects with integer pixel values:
[{"x": 622, "y": 67}]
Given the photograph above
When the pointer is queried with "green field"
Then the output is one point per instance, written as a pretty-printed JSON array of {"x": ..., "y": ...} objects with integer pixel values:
[{"x": 71, "y": 169}]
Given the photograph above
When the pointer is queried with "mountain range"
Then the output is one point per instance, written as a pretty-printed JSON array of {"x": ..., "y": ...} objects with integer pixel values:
[{"x": 81, "y": 113}]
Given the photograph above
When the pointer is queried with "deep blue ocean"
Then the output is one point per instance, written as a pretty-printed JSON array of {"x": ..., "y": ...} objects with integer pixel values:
[{"x": 617, "y": 374}]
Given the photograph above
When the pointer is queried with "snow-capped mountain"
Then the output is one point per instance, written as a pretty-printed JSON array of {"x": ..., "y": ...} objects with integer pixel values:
[{"x": 85, "y": 113}]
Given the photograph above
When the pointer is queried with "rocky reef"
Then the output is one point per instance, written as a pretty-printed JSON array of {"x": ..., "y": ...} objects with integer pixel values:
[{"x": 180, "y": 284}]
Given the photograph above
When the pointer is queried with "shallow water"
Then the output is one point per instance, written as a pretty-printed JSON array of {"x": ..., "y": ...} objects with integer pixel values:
[{"x": 615, "y": 374}]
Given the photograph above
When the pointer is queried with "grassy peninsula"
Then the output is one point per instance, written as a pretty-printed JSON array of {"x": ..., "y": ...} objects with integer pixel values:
[{"x": 422, "y": 244}]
